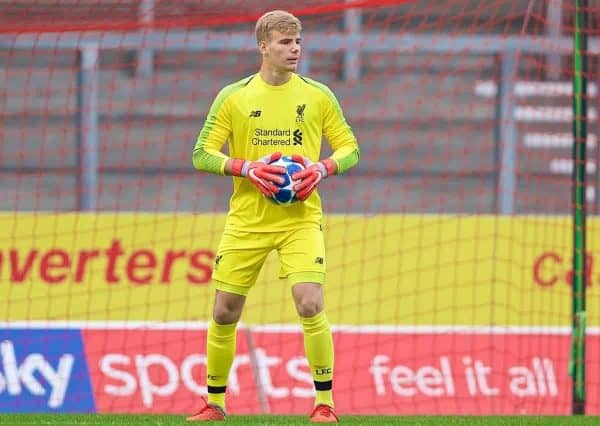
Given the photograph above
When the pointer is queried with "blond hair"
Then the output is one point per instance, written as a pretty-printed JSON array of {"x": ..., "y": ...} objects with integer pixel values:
[{"x": 279, "y": 20}]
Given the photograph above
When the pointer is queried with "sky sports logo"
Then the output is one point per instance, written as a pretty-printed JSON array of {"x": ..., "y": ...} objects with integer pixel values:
[
  {"x": 43, "y": 371},
  {"x": 23, "y": 376},
  {"x": 141, "y": 370},
  {"x": 156, "y": 377},
  {"x": 150, "y": 375}
]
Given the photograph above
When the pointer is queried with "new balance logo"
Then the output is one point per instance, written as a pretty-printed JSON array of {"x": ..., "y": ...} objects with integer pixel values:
[
  {"x": 255, "y": 113},
  {"x": 297, "y": 137},
  {"x": 217, "y": 260},
  {"x": 300, "y": 113},
  {"x": 319, "y": 260}
]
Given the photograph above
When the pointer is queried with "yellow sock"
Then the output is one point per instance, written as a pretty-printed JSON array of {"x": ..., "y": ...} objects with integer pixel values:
[
  {"x": 220, "y": 350},
  {"x": 318, "y": 346}
]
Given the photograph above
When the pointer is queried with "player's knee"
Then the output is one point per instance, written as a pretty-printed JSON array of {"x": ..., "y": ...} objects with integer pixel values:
[
  {"x": 227, "y": 307},
  {"x": 309, "y": 306},
  {"x": 226, "y": 315}
]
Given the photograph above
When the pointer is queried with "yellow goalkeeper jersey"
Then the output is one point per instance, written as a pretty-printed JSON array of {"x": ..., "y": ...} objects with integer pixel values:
[{"x": 257, "y": 119}]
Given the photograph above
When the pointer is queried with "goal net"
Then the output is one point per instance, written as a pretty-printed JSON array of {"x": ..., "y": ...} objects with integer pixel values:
[{"x": 449, "y": 245}]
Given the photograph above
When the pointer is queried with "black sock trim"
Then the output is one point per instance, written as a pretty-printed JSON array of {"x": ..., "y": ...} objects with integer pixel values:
[
  {"x": 216, "y": 389},
  {"x": 323, "y": 386}
]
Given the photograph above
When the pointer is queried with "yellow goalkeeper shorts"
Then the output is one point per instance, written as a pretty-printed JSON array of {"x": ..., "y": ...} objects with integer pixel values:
[{"x": 241, "y": 255}]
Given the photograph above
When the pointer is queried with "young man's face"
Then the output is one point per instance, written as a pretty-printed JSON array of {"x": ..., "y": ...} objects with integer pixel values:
[{"x": 281, "y": 51}]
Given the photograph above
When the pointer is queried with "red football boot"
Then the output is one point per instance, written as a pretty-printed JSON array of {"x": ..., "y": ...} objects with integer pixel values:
[
  {"x": 208, "y": 413},
  {"x": 323, "y": 414}
]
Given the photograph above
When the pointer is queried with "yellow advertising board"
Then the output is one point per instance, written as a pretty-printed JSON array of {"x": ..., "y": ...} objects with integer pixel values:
[{"x": 386, "y": 269}]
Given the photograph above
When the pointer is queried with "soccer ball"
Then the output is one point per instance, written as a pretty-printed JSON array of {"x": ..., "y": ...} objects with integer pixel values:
[{"x": 286, "y": 194}]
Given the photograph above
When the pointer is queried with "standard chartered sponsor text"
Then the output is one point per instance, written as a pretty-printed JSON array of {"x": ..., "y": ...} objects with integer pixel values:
[{"x": 272, "y": 137}]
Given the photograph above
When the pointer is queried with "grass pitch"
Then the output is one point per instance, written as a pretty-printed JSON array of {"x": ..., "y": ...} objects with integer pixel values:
[{"x": 126, "y": 420}]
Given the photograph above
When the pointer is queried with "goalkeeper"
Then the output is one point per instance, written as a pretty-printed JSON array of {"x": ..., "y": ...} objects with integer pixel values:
[{"x": 272, "y": 113}]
